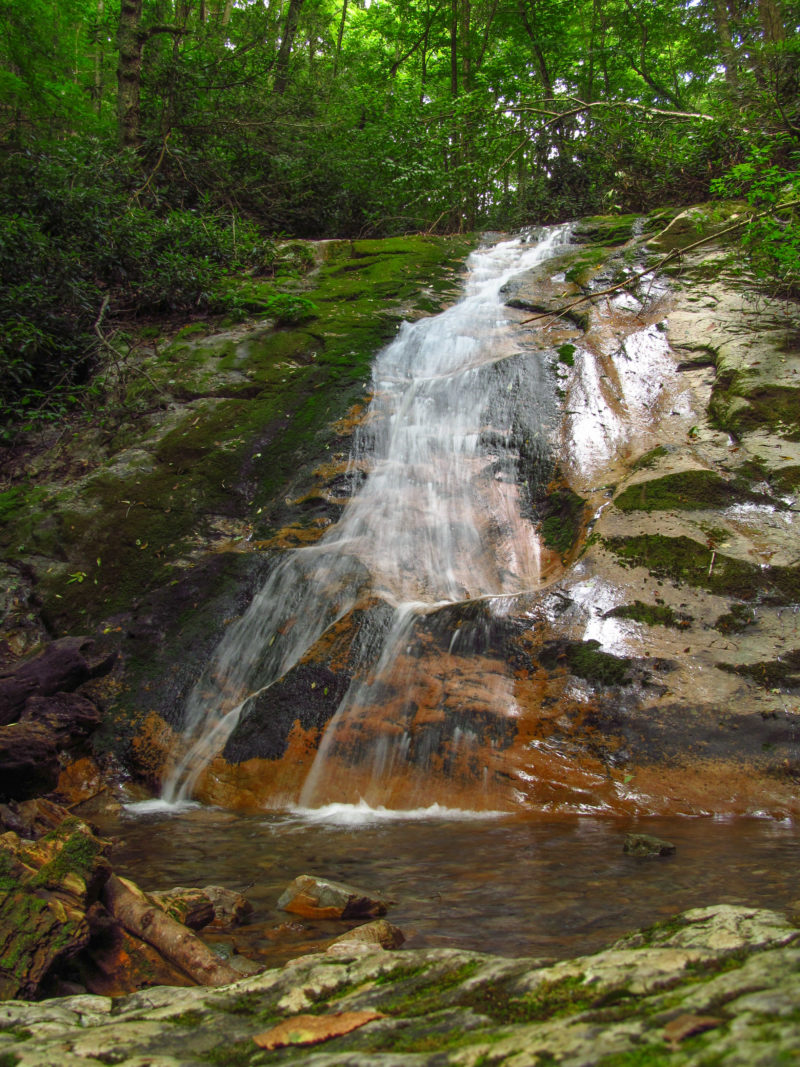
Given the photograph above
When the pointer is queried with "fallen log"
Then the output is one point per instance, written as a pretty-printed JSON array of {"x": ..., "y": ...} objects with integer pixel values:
[{"x": 145, "y": 920}]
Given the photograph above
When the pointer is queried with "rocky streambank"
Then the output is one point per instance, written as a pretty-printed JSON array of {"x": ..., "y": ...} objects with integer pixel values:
[{"x": 717, "y": 985}]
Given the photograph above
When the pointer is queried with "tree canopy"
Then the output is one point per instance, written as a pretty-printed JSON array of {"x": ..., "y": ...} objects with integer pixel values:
[{"x": 153, "y": 128}]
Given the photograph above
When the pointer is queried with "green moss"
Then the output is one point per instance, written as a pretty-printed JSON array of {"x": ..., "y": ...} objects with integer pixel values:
[
  {"x": 233, "y": 1054},
  {"x": 77, "y": 854},
  {"x": 644, "y": 1056},
  {"x": 426, "y": 994},
  {"x": 190, "y": 1019},
  {"x": 606, "y": 229},
  {"x": 585, "y": 660},
  {"x": 781, "y": 673},
  {"x": 785, "y": 479},
  {"x": 566, "y": 354},
  {"x": 649, "y": 459},
  {"x": 739, "y": 407},
  {"x": 681, "y": 559},
  {"x": 736, "y": 620},
  {"x": 685, "y": 491},
  {"x": 549, "y": 1000},
  {"x": 650, "y": 615},
  {"x": 562, "y": 519}
]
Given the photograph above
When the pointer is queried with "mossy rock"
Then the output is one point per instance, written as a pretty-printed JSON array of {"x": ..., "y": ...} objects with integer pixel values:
[
  {"x": 683, "y": 560},
  {"x": 562, "y": 515},
  {"x": 586, "y": 660},
  {"x": 777, "y": 674},
  {"x": 739, "y": 407},
  {"x": 235, "y": 450},
  {"x": 609, "y": 230},
  {"x": 686, "y": 491},
  {"x": 650, "y": 615}
]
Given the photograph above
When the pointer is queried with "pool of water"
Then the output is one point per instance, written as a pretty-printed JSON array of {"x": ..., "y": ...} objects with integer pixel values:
[{"x": 509, "y": 886}]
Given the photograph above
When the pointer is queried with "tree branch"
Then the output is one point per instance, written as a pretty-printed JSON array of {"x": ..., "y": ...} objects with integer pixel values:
[{"x": 557, "y": 313}]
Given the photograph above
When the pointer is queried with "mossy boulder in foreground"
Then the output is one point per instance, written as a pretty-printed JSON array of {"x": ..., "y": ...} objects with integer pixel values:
[{"x": 714, "y": 985}]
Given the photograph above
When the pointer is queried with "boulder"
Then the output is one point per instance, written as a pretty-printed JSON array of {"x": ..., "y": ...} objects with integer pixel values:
[
  {"x": 28, "y": 761},
  {"x": 379, "y": 933},
  {"x": 320, "y": 898},
  {"x": 647, "y": 845},
  {"x": 230, "y": 907},
  {"x": 47, "y": 724},
  {"x": 31, "y": 819},
  {"x": 46, "y": 887},
  {"x": 61, "y": 667},
  {"x": 69, "y": 717}
]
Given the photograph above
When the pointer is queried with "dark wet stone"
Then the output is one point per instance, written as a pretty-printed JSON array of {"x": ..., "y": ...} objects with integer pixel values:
[
  {"x": 647, "y": 845},
  {"x": 320, "y": 898}
]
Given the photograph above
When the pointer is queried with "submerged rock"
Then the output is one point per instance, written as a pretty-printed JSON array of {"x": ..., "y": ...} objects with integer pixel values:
[
  {"x": 320, "y": 898},
  {"x": 647, "y": 845},
  {"x": 380, "y": 933}
]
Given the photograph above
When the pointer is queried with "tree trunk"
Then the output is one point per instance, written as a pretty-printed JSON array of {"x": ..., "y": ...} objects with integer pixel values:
[
  {"x": 131, "y": 908},
  {"x": 339, "y": 38},
  {"x": 99, "y": 55},
  {"x": 466, "y": 56},
  {"x": 727, "y": 51},
  {"x": 129, "y": 73},
  {"x": 285, "y": 50}
]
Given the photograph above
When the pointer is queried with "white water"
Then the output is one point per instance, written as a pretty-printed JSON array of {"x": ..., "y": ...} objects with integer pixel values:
[{"x": 438, "y": 520}]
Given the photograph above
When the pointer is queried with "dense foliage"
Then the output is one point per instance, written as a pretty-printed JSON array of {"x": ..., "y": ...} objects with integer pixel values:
[{"x": 147, "y": 146}]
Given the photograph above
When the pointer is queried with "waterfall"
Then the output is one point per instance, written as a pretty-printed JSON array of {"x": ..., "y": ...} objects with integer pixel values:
[{"x": 438, "y": 521}]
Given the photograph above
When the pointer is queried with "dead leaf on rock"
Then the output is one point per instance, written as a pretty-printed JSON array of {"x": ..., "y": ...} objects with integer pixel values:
[
  {"x": 686, "y": 1025},
  {"x": 312, "y": 1029}
]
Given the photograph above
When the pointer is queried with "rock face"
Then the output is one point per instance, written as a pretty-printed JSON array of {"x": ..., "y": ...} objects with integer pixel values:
[
  {"x": 714, "y": 985},
  {"x": 653, "y": 667},
  {"x": 42, "y": 719}
]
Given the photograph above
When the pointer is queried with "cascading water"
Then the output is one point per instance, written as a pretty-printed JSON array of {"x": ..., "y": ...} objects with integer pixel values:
[{"x": 438, "y": 522}]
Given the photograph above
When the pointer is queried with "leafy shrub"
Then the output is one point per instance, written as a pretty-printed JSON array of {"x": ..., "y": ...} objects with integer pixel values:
[
  {"x": 769, "y": 180},
  {"x": 79, "y": 237}
]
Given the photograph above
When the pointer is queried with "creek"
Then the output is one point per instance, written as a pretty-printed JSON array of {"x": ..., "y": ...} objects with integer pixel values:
[{"x": 509, "y": 886}]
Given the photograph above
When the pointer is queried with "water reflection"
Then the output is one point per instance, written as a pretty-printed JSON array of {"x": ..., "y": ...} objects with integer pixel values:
[{"x": 501, "y": 885}]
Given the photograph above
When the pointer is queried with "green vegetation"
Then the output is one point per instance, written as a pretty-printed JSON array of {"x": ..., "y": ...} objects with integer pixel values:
[
  {"x": 685, "y": 491},
  {"x": 781, "y": 673},
  {"x": 153, "y": 151},
  {"x": 549, "y": 1000},
  {"x": 736, "y": 620},
  {"x": 649, "y": 459},
  {"x": 566, "y": 354},
  {"x": 587, "y": 661},
  {"x": 651, "y": 615},
  {"x": 562, "y": 519},
  {"x": 680, "y": 559}
]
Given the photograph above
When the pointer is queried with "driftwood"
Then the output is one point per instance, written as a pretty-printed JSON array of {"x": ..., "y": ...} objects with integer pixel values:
[{"x": 145, "y": 920}]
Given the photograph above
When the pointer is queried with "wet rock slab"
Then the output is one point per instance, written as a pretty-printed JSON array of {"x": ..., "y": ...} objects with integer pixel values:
[{"x": 716, "y": 984}]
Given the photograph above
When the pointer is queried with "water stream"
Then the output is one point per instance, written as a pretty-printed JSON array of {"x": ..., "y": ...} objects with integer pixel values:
[
  {"x": 438, "y": 521},
  {"x": 506, "y": 885}
]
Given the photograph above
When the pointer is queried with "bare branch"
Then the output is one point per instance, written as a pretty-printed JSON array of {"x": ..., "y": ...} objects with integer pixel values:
[{"x": 558, "y": 313}]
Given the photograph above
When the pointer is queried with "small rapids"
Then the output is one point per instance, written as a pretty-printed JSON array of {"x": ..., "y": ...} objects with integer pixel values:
[{"x": 438, "y": 521}]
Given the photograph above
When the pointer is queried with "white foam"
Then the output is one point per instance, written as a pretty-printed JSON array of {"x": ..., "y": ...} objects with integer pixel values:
[
  {"x": 159, "y": 806},
  {"x": 361, "y": 813}
]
